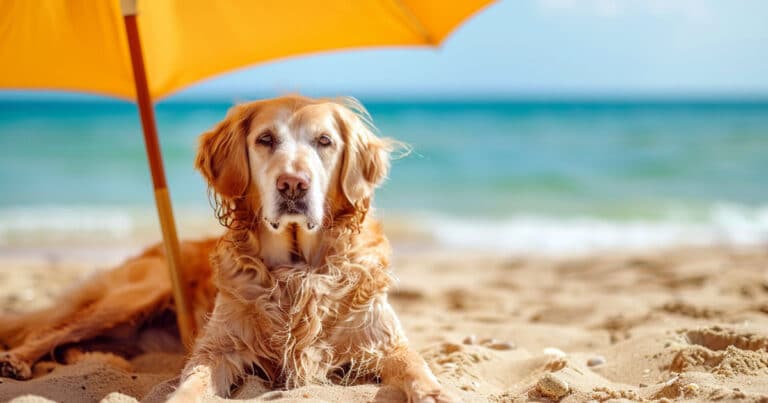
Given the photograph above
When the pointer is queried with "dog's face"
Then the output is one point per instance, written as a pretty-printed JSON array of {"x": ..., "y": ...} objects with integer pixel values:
[{"x": 293, "y": 160}]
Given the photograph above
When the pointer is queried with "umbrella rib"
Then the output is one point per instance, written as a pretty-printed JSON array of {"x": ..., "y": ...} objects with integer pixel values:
[{"x": 414, "y": 22}]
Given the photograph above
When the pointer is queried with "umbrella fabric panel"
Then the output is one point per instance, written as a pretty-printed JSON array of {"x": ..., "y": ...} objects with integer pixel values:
[
  {"x": 64, "y": 45},
  {"x": 81, "y": 45}
]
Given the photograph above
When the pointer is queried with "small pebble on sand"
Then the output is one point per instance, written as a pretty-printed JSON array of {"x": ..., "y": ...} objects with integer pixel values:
[
  {"x": 596, "y": 360},
  {"x": 555, "y": 352},
  {"x": 470, "y": 340},
  {"x": 691, "y": 389},
  {"x": 671, "y": 381},
  {"x": 551, "y": 386},
  {"x": 450, "y": 348},
  {"x": 501, "y": 345},
  {"x": 117, "y": 397}
]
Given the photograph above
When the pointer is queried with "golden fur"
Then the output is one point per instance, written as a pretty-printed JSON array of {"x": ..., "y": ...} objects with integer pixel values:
[{"x": 295, "y": 298}]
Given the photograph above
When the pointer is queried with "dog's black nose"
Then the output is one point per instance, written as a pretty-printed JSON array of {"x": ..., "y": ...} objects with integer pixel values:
[{"x": 293, "y": 186}]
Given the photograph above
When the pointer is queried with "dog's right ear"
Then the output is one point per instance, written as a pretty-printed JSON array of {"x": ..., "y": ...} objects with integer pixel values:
[{"x": 222, "y": 156}]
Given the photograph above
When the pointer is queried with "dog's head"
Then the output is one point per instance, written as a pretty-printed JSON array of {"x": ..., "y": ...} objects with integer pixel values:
[{"x": 292, "y": 160}]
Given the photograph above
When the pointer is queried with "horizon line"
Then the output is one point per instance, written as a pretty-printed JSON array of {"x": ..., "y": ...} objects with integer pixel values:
[{"x": 412, "y": 96}]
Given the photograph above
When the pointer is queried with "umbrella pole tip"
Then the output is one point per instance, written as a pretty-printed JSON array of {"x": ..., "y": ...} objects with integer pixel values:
[{"x": 128, "y": 7}]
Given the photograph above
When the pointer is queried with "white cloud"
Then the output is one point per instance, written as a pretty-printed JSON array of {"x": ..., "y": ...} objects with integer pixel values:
[
  {"x": 689, "y": 9},
  {"x": 608, "y": 8},
  {"x": 694, "y": 9},
  {"x": 557, "y": 4}
]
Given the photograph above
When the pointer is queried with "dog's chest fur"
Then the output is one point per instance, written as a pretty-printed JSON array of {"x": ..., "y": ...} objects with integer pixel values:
[{"x": 297, "y": 323}]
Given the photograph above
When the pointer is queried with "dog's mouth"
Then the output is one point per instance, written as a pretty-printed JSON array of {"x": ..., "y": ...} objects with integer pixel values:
[
  {"x": 292, "y": 207},
  {"x": 291, "y": 211}
]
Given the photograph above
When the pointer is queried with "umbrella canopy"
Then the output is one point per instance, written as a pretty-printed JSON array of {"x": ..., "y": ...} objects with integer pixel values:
[
  {"x": 81, "y": 45},
  {"x": 153, "y": 48}
]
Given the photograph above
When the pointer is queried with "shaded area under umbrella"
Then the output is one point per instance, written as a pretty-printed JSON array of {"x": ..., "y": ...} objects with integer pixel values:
[{"x": 99, "y": 46}]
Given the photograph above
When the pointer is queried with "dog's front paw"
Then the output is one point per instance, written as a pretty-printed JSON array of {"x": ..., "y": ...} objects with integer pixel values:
[
  {"x": 430, "y": 393},
  {"x": 11, "y": 366},
  {"x": 184, "y": 396}
]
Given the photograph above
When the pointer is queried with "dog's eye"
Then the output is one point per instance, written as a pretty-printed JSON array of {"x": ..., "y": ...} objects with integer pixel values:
[
  {"x": 324, "y": 141},
  {"x": 266, "y": 139}
]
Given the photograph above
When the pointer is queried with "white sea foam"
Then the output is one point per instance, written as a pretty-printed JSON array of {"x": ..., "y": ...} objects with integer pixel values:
[
  {"x": 94, "y": 225},
  {"x": 725, "y": 224},
  {"x": 722, "y": 224},
  {"x": 112, "y": 222}
]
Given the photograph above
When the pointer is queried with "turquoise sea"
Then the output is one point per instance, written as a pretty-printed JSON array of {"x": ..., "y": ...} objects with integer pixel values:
[{"x": 518, "y": 174}]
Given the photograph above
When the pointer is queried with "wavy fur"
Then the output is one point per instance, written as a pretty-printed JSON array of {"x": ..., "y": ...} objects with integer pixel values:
[{"x": 295, "y": 321}]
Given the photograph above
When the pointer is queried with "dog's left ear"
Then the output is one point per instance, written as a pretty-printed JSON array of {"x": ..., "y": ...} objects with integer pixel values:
[
  {"x": 222, "y": 156},
  {"x": 365, "y": 163}
]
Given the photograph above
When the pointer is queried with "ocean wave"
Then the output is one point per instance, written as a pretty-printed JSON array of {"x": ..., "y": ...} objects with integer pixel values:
[
  {"x": 721, "y": 224},
  {"x": 725, "y": 224},
  {"x": 93, "y": 225}
]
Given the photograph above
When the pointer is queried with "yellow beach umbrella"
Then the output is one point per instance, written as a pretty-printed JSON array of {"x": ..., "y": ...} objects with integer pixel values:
[{"x": 153, "y": 48}]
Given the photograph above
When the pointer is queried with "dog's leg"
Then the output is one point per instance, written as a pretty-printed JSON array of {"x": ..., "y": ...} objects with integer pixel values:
[
  {"x": 121, "y": 301},
  {"x": 218, "y": 360},
  {"x": 17, "y": 363},
  {"x": 211, "y": 371},
  {"x": 405, "y": 369},
  {"x": 201, "y": 379},
  {"x": 208, "y": 374},
  {"x": 84, "y": 324}
]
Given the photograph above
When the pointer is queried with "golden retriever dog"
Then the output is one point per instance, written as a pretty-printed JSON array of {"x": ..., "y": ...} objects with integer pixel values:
[{"x": 295, "y": 290}]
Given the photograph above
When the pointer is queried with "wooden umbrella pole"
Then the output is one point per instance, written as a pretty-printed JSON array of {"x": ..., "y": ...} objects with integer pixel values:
[{"x": 162, "y": 198}]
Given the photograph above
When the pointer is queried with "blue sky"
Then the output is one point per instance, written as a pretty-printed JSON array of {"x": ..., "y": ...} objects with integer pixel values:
[{"x": 548, "y": 48}]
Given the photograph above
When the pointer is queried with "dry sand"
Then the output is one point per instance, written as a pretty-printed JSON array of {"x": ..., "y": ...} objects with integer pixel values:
[{"x": 684, "y": 324}]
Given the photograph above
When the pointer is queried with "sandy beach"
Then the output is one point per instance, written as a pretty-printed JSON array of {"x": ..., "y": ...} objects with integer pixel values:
[
  {"x": 575, "y": 193},
  {"x": 682, "y": 324}
]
